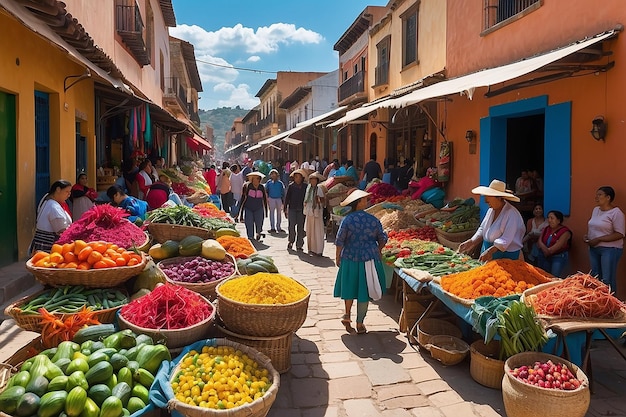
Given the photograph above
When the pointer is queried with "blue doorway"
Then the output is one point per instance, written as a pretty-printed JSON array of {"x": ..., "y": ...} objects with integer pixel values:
[{"x": 42, "y": 145}]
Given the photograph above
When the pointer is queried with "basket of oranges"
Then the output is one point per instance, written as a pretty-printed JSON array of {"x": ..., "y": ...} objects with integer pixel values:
[{"x": 96, "y": 264}]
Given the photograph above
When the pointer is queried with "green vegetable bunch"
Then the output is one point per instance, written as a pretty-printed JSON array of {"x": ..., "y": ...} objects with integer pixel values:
[{"x": 519, "y": 330}]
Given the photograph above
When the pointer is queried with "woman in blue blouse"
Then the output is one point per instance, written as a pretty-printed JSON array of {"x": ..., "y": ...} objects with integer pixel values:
[{"x": 359, "y": 240}]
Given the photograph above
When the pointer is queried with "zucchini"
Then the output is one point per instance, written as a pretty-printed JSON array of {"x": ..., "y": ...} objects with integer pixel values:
[
  {"x": 99, "y": 373},
  {"x": 94, "y": 333},
  {"x": 52, "y": 404}
]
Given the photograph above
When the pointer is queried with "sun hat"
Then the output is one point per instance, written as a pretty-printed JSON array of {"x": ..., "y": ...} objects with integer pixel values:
[
  {"x": 497, "y": 188},
  {"x": 273, "y": 171},
  {"x": 317, "y": 175},
  {"x": 353, "y": 196},
  {"x": 301, "y": 172},
  {"x": 255, "y": 173}
]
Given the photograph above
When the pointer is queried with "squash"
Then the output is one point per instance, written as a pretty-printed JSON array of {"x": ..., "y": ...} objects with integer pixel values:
[
  {"x": 75, "y": 402},
  {"x": 227, "y": 231},
  {"x": 27, "y": 405},
  {"x": 98, "y": 393},
  {"x": 151, "y": 274},
  {"x": 9, "y": 399},
  {"x": 99, "y": 373},
  {"x": 111, "y": 407},
  {"x": 211, "y": 249},
  {"x": 52, "y": 403},
  {"x": 190, "y": 246},
  {"x": 167, "y": 249},
  {"x": 91, "y": 409}
]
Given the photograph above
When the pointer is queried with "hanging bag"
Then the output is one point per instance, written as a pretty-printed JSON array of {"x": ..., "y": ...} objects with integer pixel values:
[{"x": 373, "y": 284}]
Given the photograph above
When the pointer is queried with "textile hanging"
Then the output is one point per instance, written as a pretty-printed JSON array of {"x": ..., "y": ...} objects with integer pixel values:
[
  {"x": 147, "y": 133},
  {"x": 443, "y": 165}
]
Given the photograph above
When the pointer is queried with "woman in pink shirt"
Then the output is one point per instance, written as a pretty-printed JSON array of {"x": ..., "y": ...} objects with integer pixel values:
[{"x": 605, "y": 237}]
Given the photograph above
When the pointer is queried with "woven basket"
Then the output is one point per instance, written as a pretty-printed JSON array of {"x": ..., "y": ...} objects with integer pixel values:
[
  {"x": 258, "y": 408},
  {"x": 93, "y": 278},
  {"x": 197, "y": 199},
  {"x": 427, "y": 328},
  {"x": 205, "y": 289},
  {"x": 448, "y": 350},
  {"x": 164, "y": 231},
  {"x": 178, "y": 337},
  {"x": 458, "y": 237},
  {"x": 145, "y": 247},
  {"x": 522, "y": 399},
  {"x": 484, "y": 367},
  {"x": 13, "y": 363},
  {"x": 278, "y": 348},
  {"x": 264, "y": 320},
  {"x": 32, "y": 321}
]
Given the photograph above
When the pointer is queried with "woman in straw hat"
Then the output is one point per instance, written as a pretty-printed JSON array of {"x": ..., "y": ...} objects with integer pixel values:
[
  {"x": 254, "y": 204},
  {"x": 359, "y": 240},
  {"x": 314, "y": 214},
  {"x": 294, "y": 209},
  {"x": 502, "y": 230}
]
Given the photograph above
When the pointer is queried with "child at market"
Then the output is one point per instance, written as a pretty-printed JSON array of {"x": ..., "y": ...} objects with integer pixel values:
[{"x": 135, "y": 207}]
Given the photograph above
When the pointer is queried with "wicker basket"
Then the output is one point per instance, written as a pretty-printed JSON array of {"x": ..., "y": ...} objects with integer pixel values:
[
  {"x": 13, "y": 363},
  {"x": 264, "y": 320},
  {"x": 427, "y": 328},
  {"x": 258, "y": 408},
  {"x": 178, "y": 337},
  {"x": 32, "y": 321},
  {"x": 522, "y": 399},
  {"x": 484, "y": 367},
  {"x": 164, "y": 231},
  {"x": 145, "y": 247},
  {"x": 206, "y": 289},
  {"x": 448, "y": 350},
  {"x": 278, "y": 348},
  {"x": 197, "y": 198},
  {"x": 94, "y": 278}
]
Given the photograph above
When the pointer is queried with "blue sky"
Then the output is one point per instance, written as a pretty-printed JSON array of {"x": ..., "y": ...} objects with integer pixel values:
[{"x": 269, "y": 35}]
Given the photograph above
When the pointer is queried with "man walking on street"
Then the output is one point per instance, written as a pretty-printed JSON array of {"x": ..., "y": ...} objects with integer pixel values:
[{"x": 294, "y": 209}]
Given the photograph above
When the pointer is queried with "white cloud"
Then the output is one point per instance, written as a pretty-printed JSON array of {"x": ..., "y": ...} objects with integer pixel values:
[
  {"x": 254, "y": 58},
  {"x": 237, "y": 95},
  {"x": 265, "y": 39}
]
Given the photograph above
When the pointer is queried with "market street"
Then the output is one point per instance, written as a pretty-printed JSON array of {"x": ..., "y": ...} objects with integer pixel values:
[{"x": 334, "y": 374}]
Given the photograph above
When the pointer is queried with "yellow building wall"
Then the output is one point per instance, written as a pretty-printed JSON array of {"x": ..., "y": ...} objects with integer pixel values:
[{"x": 31, "y": 63}]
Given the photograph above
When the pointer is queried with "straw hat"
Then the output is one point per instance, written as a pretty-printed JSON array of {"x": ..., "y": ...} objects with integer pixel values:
[
  {"x": 497, "y": 188},
  {"x": 255, "y": 173},
  {"x": 273, "y": 171},
  {"x": 353, "y": 196},
  {"x": 317, "y": 175},
  {"x": 299, "y": 171}
]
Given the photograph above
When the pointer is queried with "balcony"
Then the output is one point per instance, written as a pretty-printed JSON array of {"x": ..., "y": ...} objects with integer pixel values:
[
  {"x": 381, "y": 75},
  {"x": 352, "y": 86},
  {"x": 174, "y": 93},
  {"x": 129, "y": 26},
  {"x": 193, "y": 115}
]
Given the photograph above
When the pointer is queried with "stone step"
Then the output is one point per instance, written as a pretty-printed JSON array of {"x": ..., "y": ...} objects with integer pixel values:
[{"x": 16, "y": 282}]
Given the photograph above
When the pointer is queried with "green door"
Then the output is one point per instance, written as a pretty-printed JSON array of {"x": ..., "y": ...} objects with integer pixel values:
[{"x": 8, "y": 211}]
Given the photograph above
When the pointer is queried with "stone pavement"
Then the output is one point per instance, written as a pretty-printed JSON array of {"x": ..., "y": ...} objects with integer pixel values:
[{"x": 334, "y": 374}]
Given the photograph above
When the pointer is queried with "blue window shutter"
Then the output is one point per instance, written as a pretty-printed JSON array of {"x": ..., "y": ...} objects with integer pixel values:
[
  {"x": 492, "y": 149},
  {"x": 557, "y": 178}
]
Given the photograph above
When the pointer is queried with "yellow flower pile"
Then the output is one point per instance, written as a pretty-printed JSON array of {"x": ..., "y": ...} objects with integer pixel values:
[{"x": 263, "y": 288}]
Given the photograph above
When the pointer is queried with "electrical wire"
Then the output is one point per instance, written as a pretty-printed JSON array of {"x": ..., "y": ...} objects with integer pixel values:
[{"x": 237, "y": 68}]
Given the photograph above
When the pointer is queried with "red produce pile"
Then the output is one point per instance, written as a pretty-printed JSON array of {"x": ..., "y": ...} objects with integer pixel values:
[
  {"x": 547, "y": 375},
  {"x": 181, "y": 189},
  {"x": 382, "y": 191},
  {"x": 167, "y": 307},
  {"x": 107, "y": 223}
]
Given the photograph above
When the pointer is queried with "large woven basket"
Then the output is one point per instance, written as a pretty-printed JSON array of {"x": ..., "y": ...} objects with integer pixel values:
[
  {"x": 448, "y": 350},
  {"x": 13, "y": 363},
  {"x": 427, "y": 328},
  {"x": 32, "y": 321},
  {"x": 264, "y": 320},
  {"x": 258, "y": 408},
  {"x": 93, "y": 278},
  {"x": 174, "y": 338},
  {"x": 206, "y": 289},
  {"x": 485, "y": 368},
  {"x": 165, "y": 231},
  {"x": 522, "y": 399},
  {"x": 458, "y": 237},
  {"x": 278, "y": 348}
]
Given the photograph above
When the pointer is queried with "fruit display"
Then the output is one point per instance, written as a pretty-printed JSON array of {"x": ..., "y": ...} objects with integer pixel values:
[
  {"x": 196, "y": 269},
  {"x": 94, "y": 378},
  {"x": 185, "y": 216},
  {"x": 86, "y": 255},
  {"x": 219, "y": 378},
  {"x": 189, "y": 246},
  {"x": 256, "y": 263},
  {"x": 547, "y": 375},
  {"x": 211, "y": 210}
]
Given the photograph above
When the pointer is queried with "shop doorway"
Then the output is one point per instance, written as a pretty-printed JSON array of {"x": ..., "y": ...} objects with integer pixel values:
[{"x": 8, "y": 206}]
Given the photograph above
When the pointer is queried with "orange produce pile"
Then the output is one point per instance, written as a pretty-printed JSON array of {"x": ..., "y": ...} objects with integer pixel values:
[
  {"x": 239, "y": 247},
  {"x": 82, "y": 255},
  {"x": 498, "y": 278}
]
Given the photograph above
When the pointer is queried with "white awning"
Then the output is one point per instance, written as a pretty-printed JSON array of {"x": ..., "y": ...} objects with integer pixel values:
[
  {"x": 37, "y": 26},
  {"x": 321, "y": 117},
  {"x": 292, "y": 141},
  {"x": 281, "y": 135},
  {"x": 469, "y": 83},
  {"x": 254, "y": 147},
  {"x": 232, "y": 148}
]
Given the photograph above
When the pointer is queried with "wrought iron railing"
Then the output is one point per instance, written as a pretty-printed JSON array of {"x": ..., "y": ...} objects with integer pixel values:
[{"x": 497, "y": 11}]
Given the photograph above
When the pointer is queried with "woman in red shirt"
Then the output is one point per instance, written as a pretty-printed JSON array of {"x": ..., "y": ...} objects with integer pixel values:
[{"x": 554, "y": 245}]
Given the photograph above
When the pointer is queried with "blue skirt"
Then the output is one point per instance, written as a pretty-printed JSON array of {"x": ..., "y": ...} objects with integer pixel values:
[{"x": 351, "y": 283}]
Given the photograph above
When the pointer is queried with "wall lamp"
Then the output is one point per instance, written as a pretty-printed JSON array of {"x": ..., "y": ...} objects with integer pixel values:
[
  {"x": 598, "y": 128},
  {"x": 470, "y": 135},
  {"x": 76, "y": 79}
]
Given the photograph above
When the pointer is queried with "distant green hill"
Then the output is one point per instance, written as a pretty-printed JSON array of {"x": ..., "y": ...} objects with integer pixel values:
[{"x": 221, "y": 120}]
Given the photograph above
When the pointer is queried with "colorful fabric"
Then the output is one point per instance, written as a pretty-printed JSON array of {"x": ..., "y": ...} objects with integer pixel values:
[
  {"x": 351, "y": 283},
  {"x": 360, "y": 235}
]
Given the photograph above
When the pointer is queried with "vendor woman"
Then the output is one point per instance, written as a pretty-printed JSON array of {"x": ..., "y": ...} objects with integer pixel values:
[{"x": 502, "y": 230}]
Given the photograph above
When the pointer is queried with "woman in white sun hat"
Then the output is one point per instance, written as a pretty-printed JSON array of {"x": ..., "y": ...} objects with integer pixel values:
[
  {"x": 502, "y": 230},
  {"x": 359, "y": 240},
  {"x": 314, "y": 212}
]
